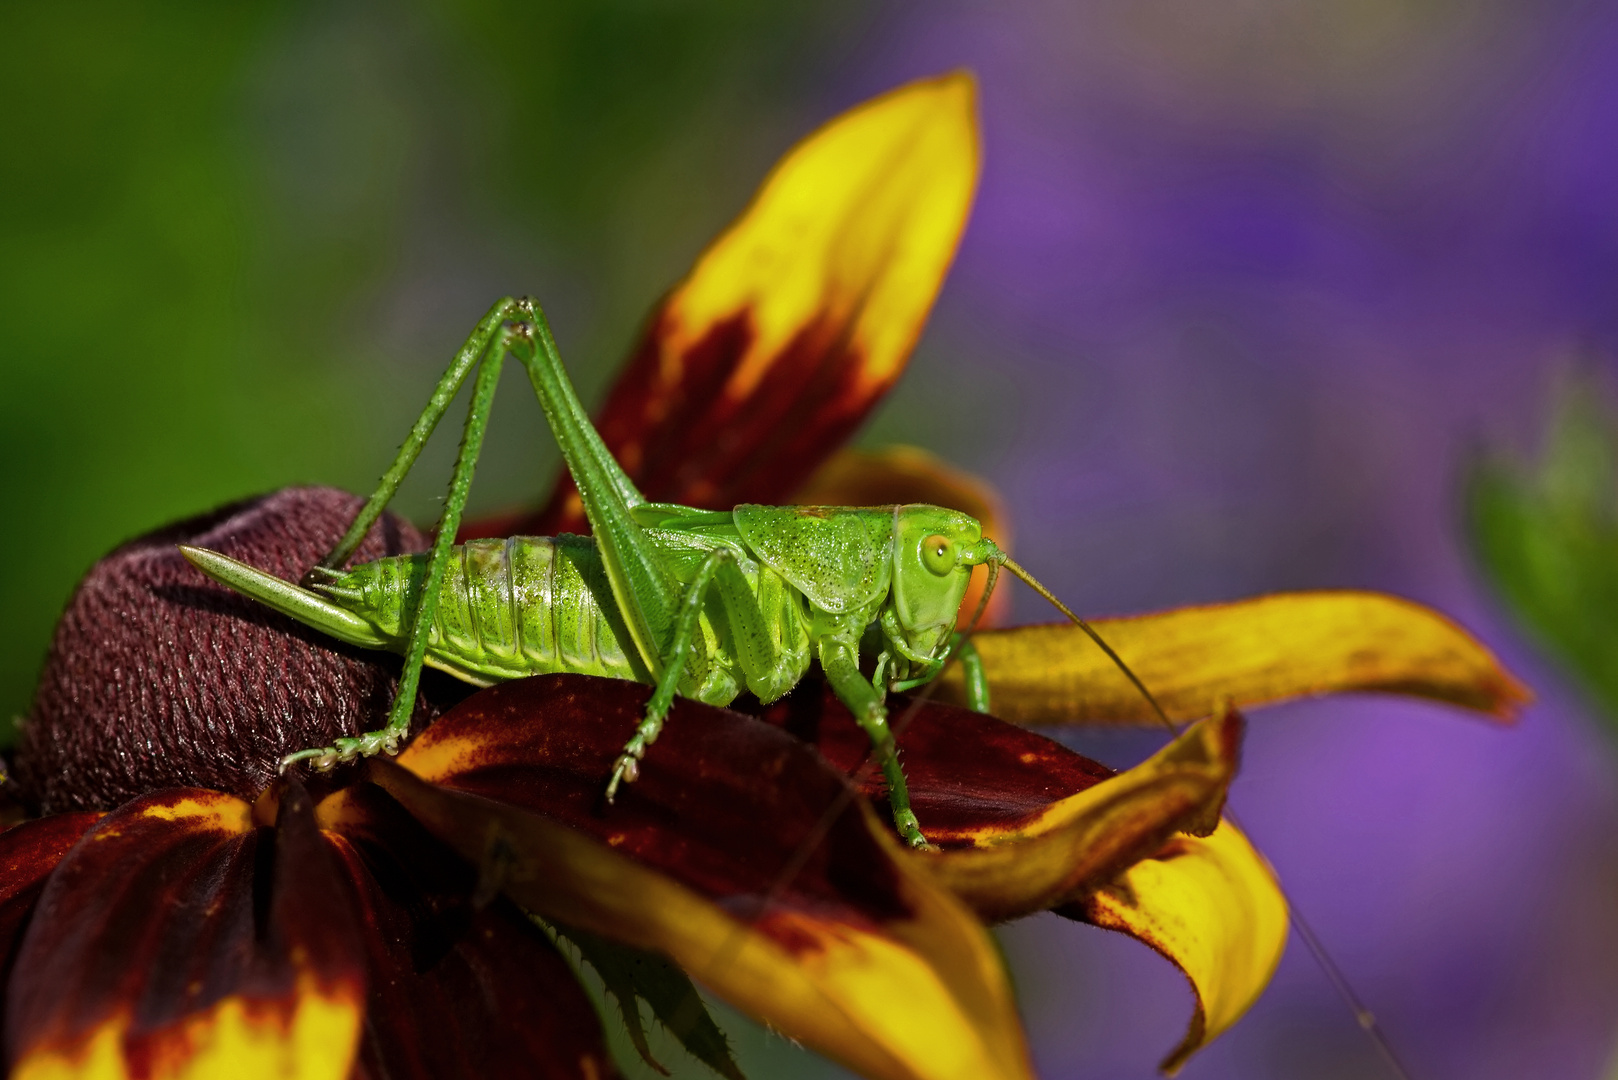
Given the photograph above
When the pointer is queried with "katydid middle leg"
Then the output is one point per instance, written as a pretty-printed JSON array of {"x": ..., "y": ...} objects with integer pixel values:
[
  {"x": 767, "y": 664},
  {"x": 686, "y": 634}
]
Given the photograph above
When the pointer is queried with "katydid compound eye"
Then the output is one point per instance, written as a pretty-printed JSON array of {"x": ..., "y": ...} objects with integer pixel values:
[{"x": 938, "y": 554}]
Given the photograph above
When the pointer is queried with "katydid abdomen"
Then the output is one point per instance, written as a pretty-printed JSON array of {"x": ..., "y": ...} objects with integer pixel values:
[{"x": 527, "y": 605}]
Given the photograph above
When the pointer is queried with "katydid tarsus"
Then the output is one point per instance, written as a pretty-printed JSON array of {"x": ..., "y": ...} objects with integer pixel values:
[{"x": 696, "y": 602}]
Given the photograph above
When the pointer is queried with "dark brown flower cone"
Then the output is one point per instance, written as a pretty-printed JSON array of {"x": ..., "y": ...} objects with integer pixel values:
[{"x": 157, "y": 677}]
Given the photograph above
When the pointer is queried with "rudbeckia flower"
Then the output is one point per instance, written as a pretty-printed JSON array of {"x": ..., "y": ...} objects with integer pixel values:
[{"x": 173, "y": 908}]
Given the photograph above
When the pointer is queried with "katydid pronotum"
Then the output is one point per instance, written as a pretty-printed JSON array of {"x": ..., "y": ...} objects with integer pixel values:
[{"x": 697, "y": 602}]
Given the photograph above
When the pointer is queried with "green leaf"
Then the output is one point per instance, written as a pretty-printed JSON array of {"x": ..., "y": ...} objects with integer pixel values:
[
  {"x": 1547, "y": 537},
  {"x": 634, "y": 975}
]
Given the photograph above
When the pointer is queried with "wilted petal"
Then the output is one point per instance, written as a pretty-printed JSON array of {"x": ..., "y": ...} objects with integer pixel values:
[
  {"x": 906, "y": 474},
  {"x": 1212, "y": 906},
  {"x": 1252, "y": 652},
  {"x": 800, "y": 316},
  {"x": 158, "y": 950},
  {"x": 724, "y": 857},
  {"x": 463, "y": 985}
]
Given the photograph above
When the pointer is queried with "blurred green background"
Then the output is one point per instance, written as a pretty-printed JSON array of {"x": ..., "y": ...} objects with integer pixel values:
[{"x": 237, "y": 242}]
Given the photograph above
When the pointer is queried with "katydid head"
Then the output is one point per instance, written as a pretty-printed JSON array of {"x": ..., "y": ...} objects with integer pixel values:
[{"x": 934, "y": 551}]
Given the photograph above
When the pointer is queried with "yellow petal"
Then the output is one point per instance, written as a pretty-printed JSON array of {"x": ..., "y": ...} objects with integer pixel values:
[
  {"x": 1253, "y": 652},
  {"x": 1212, "y": 906},
  {"x": 1086, "y": 838},
  {"x": 803, "y": 312},
  {"x": 856, "y": 225},
  {"x": 235, "y": 1037},
  {"x": 908, "y": 474}
]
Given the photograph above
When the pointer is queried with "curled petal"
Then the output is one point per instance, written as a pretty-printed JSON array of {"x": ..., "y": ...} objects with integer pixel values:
[
  {"x": 1087, "y": 837},
  {"x": 1023, "y": 821},
  {"x": 158, "y": 949},
  {"x": 738, "y": 853},
  {"x": 1210, "y": 905},
  {"x": 463, "y": 985},
  {"x": 800, "y": 316},
  {"x": 1253, "y": 652}
]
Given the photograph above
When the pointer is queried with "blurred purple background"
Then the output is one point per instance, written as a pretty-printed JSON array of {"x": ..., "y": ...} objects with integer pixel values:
[{"x": 1246, "y": 283}]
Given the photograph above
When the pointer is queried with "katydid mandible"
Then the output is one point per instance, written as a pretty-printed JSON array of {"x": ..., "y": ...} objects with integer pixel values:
[{"x": 696, "y": 602}]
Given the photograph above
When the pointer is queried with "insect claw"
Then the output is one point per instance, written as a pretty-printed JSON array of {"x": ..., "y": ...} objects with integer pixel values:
[
  {"x": 625, "y": 770},
  {"x": 320, "y": 759}
]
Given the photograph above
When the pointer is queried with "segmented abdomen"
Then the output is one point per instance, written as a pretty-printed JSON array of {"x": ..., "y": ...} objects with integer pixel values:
[{"x": 528, "y": 605}]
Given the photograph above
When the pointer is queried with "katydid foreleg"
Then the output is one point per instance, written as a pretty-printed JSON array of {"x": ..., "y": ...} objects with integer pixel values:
[{"x": 839, "y": 659}]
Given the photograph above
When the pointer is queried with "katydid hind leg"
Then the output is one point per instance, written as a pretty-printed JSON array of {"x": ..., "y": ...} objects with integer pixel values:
[
  {"x": 647, "y": 594},
  {"x": 466, "y": 358},
  {"x": 425, "y": 607}
]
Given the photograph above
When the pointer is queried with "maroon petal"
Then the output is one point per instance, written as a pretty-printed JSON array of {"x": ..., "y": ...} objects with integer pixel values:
[
  {"x": 458, "y": 988},
  {"x": 971, "y": 776},
  {"x": 738, "y": 854},
  {"x": 178, "y": 937},
  {"x": 158, "y": 678}
]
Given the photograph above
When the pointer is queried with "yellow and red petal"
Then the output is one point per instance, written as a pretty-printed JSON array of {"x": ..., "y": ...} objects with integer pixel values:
[
  {"x": 1091, "y": 835},
  {"x": 738, "y": 853},
  {"x": 1024, "y": 822},
  {"x": 1210, "y": 905},
  {"x": 157, "y": 949},
  {"x": 463, "y": 985},
  {"x": 1251, "y": 652},
  {"x": 802, "y": 313}
]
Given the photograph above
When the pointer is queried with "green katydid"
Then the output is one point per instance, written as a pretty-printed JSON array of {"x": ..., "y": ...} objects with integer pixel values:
[{"x": 697, "y": 602}]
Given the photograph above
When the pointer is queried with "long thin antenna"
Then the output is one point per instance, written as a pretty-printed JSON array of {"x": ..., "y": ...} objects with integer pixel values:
[
  {"x": 1317, "y": 948},
  {"x": 1028, "y": 579}
]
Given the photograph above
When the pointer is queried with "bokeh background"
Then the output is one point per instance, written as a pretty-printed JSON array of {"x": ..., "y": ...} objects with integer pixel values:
[{"x": 1247, "y": 282}]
